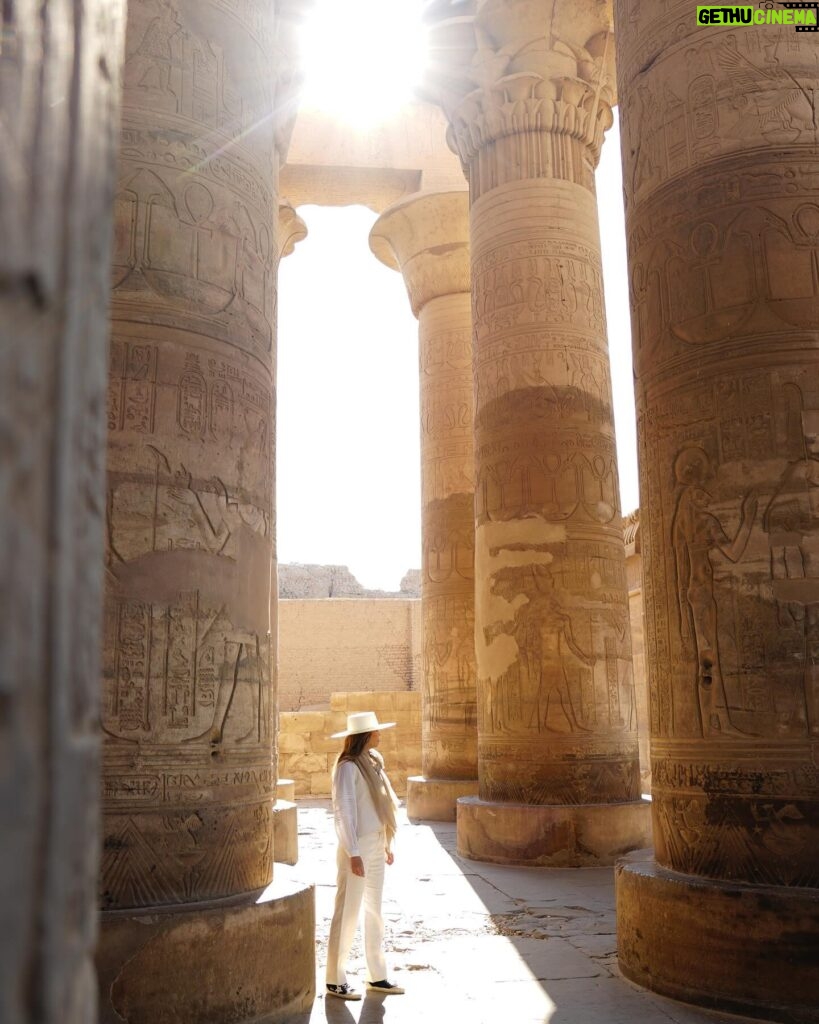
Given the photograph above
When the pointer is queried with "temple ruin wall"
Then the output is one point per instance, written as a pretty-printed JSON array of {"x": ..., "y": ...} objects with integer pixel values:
[
  {"x": 307, "y": 753},
  {"x": 346, "y": 645}
]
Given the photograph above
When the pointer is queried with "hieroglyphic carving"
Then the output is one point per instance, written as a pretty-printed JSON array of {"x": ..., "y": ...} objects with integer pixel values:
[
  {"x": 528, "y": 94},
  {"x": 522, "y": 286},
  {"x": 565, "y": 674},
  {"x": 183, "y": 673},
  {"x": 159, "y": 856},
  {"x": 168, "y": 231},
  {"x": 132, "y": 388},
  {"x": 209, "y": 399},
  {"x": 741, "y": 90},
  {"x": 722, "y": 235},
  {"x": 426, "y": 237},
  {"x": 696, "y": 533},
  {"x": 188, "y": 706}
]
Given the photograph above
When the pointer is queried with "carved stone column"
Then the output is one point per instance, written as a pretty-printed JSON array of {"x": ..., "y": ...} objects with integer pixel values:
[
  {"x": 426, "y": 238},
  {"x": 722, "y": 188},
  {"x": 192, "y": 928},
  {"x": 528, "y": 97},
  {"x": 292, "y": 230},
  {"x": 59, "y": 118}
]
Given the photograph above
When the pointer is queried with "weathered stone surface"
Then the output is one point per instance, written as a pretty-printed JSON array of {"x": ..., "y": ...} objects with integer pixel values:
[
  {"x": 285, "y": 789},
  {"x": 426, "y": 238},
  {"x": 189, "y": 690},
  {"x": 187, "y": 707},
  {"x": 585, "y": 835},
  {"x": 435, "y": 799},
  {"x": 752, "y": 949},
  {"x": 528, "y": 91},
  {"x": 337, "y": 644},
  {"x": 722, "y": 208},
  {"x": 634, "y": 581},
  {"x": 485, "y": 943},
  {"x": 285, "y": 832},
  {"x": 727, "y": 429},
  {"x": 59, "y": 113},
  {"x": 251, "y": 958}
]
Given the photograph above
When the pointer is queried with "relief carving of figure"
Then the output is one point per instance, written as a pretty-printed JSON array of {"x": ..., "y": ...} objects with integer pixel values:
[
  {"x": 791, "y": 521},
  {"x": 697, "y": 534},
  {"x": 768, "y": 101},
  {"x": 542, "y": 630},
  {"x": 153, "y": 61}
]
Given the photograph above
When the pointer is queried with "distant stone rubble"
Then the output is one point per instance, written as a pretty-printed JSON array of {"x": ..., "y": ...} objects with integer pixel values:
[{"x": 304, "y": 582}]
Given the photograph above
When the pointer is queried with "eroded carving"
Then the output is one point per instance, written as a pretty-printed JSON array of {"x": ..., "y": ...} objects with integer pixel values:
[
  {"x": 188, "y": 692},
  {"x": 722, "y": 214}
]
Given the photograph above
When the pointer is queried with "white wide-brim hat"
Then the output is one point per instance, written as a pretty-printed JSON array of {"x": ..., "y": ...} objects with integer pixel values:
[{"x": 361, "y": 721}]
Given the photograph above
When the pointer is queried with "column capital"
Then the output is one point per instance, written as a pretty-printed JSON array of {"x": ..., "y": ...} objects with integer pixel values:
[
  {"x": 292, "y": 229},
  {"x": 518, "y": 67},
  {"x": 426, "y": 237}
]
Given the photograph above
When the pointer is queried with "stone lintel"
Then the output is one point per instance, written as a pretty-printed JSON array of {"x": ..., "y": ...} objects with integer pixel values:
[
  {"x": 426, "y": 237},
  {"x": 285, "y": 832},
  {"x": 747, "y": 949},
  {"x": 551, "y": 835},
  {"x": 250, "y": 958},
  {"x": 435, "y": 799}
]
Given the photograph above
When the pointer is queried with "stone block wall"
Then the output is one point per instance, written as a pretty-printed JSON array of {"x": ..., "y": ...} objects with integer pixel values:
[
  {"x": 331, "y": 645},
  {"x": 307, "y": 754}
]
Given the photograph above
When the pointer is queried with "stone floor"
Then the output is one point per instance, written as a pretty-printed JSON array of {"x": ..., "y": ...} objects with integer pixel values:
[{"x": 479, "y": 943}]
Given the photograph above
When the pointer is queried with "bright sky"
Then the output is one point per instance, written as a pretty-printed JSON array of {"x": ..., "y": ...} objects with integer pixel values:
[{"x": 348, "y": 473}]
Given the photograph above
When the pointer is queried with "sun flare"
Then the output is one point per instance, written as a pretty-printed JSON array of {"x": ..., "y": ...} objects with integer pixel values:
[{"x": 362, "y": 59}]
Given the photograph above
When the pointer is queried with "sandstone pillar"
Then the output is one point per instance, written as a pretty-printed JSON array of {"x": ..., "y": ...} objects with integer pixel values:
[
  {"x": 426, "y": 238},
  {"x": 292, "y": 230},
  {"x": 722, "y": 187},
  {"x": 528, "y": 97},
  {"x": 192, "y": 928},
  {"x": 58, "y": 128}
]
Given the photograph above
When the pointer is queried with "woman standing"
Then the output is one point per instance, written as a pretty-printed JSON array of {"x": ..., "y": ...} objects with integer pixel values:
[{"x": 364, "y": 810}]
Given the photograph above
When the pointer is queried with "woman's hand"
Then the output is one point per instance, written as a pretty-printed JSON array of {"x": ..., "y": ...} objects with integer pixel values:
[
  {"x": 357, "y": 866},
  {"x": 389, "y": 857}
]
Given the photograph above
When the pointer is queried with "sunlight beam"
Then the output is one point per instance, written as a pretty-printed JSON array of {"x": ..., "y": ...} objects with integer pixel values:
[{"x": 362, "y": 59}]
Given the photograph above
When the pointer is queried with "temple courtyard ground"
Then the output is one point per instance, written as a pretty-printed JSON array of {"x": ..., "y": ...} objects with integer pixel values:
[{"x": 480, "y": 943}]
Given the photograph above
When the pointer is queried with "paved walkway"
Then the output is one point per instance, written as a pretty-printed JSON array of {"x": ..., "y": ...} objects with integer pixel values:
[{"x": 479, "y": 943}]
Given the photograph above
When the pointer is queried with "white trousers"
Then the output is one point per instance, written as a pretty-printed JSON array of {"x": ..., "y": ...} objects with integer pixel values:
[{"x": 352, "y": 891}]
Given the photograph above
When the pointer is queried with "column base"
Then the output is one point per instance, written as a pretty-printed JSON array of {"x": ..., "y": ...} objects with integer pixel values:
[
  {"x": 748, "y": 949},
  {"x": 435, "y": 799},
  {"x": 285, "y": 832},
  {"x": 246, "y": 959},
  {"x": 551, "y": 835},
  {"x": 285, "y": 789}
]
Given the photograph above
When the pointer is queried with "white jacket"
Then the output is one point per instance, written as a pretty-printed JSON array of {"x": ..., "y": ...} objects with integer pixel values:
[{"x": 354, "y": 812}]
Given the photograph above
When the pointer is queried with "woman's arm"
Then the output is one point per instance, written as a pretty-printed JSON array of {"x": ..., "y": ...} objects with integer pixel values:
[{"x": 345, "y": 809}]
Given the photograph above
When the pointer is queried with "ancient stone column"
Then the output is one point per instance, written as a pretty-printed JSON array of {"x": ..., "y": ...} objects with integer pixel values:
[
  {"x": 721, "y": 174},
  {"x": 59, "y": 112},
  {"x": 192, "y": 928},
  {"x": 528, "y": 95},
  {"x": 292, "y": 230},
  {"x": 426, "y": 237}
]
